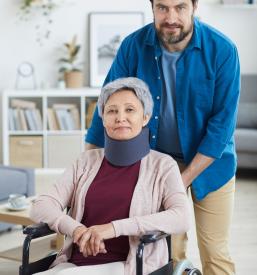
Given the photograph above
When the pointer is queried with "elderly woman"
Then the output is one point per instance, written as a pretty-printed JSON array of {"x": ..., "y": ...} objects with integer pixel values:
[{"x": 116, "y": 194}]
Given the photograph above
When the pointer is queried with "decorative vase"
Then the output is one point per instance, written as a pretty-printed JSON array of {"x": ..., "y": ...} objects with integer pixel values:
[{"x": 73, "y": 79}]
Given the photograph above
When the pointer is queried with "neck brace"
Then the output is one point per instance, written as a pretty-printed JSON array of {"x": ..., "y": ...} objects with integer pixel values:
[{"x": 127, "y": 152}]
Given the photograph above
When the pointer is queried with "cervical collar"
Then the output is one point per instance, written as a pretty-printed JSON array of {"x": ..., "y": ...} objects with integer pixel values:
[{"x": 127, "y": 152}]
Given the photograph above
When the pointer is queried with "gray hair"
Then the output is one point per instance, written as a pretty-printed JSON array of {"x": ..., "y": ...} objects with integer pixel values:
[{"x": 130, "y": 83}]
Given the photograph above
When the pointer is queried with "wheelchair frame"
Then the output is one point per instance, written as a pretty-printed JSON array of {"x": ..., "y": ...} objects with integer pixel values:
[{"x": 42, "y": 229}]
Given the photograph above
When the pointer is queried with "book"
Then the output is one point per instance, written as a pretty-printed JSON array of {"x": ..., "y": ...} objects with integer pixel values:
[
  {"x": 74, "y": 112},
  {"x": 16, "y": 119},
  {"x": 30, "y": 121},
  {"x": 67, "y": 116},
  {"x": 69, "y": 121},
  {"x": 90, "y": 112},
  {"x": 52, "y": 120},
  {"x": 64, "y": 106},
  {"x": 22, "y": 119},
  {"x": 62, "y": 119},
  {"x": 37, "y": 120},
  {"x": 23, "y": 104},
  {"x": 11, "y": 120}
]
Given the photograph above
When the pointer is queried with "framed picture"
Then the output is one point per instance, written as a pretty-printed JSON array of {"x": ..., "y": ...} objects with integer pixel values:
[{"x": 107, "y": 30}]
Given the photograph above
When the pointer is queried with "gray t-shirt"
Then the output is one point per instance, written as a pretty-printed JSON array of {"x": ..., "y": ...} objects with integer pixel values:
[{"x": 168, "y": 137}]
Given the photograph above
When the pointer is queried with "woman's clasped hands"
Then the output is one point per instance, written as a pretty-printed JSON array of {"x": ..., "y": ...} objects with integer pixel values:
[{"x": 90, "y": 240}]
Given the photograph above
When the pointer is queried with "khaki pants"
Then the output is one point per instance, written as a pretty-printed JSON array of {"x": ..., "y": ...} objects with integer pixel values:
[{"x": 213, "y": 217}]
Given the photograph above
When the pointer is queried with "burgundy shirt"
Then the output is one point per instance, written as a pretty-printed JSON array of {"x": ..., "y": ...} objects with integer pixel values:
[{"x": 108, "y": 198}]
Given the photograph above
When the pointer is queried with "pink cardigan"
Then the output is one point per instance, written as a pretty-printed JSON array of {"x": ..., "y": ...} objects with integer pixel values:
[{"x": 159, "y": 202}]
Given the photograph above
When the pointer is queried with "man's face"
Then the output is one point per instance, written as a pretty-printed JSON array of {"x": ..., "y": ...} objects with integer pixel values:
[{"x": 173, "y": 20}]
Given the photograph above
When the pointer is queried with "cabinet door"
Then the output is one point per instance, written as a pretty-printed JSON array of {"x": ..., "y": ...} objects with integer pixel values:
[{"x": 62, "y": 150}]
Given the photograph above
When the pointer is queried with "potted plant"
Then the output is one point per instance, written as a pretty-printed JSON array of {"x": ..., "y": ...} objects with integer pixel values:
[{"x": 71, "y": 69}]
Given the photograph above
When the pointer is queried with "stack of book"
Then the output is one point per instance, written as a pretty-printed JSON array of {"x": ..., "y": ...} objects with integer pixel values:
[
  {"x": 63, "y": 117},
  {"x": 24, "y": 116}
]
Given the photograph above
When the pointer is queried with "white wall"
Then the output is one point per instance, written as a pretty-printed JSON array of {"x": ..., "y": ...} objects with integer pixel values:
[
  {"x": 239, "y": 24},
  {"x": 18, "y": 39}
]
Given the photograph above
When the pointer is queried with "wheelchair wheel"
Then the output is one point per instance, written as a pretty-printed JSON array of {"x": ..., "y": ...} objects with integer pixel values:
[
  {"x": 182, "y": 266},
  {"x": 185, "y": 266},
  {"x": 194, "y": 271}
]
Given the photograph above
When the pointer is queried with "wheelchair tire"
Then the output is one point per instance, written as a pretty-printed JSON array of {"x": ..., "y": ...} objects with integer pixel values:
[
  {"x": 184, "y": 266},
  {"x": 194, "y": 271}
]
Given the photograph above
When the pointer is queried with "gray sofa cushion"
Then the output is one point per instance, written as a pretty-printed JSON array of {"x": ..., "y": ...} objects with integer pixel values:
[
  {"x": 15, "y": 180},
  {"x": 12, "y": 182},
  {"x": 247, "y": 115},
  {"x": 246, "y": 140}
]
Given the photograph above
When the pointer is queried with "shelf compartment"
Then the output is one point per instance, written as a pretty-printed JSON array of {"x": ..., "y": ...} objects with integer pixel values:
[
  {"x": 63, "y": 150},
  {"x": 26, "y": 151}
]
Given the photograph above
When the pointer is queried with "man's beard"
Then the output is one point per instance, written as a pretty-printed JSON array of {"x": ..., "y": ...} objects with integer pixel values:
[{"x": 171, "y": 38}]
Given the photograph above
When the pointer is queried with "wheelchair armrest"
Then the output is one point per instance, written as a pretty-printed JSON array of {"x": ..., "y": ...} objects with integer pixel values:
[
  {"x": 152, "y": 237},
  {"x": 32, "y": 231},
  {"x": 37, "y": 230}
]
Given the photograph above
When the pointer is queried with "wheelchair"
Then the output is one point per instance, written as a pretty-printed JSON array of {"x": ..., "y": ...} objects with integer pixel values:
[{"x": 42, "y": 229}]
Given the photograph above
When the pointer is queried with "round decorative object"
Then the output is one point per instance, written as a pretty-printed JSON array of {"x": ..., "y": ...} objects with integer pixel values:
[{"x": 25, "y": 71}]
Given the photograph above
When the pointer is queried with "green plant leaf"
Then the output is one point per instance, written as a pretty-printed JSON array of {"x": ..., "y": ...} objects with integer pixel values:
[
  {"x": 76, "y": 50},
  {"x": 65, "y": 60}
]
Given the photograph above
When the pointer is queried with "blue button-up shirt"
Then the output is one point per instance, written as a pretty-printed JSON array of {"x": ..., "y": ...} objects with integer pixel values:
[{"x": 207, "y": 93}]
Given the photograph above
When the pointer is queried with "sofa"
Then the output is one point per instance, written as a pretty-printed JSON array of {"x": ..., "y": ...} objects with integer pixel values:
[
  {"x": 246, "y": 129},
  {"x": 15, "y": 180}
]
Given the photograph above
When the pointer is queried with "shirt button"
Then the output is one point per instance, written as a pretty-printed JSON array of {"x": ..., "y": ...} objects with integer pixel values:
[
  {"x": 157, "y": 97},
  {"x": 153, "y": 136},
  {"x": 159, "y": 77},
  {"x": 156, "y": 117},
  {"x": 156, "y": 57}
]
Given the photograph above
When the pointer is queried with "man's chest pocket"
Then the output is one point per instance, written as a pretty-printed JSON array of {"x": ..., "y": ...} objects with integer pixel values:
[{"x": 201, "y": 92}]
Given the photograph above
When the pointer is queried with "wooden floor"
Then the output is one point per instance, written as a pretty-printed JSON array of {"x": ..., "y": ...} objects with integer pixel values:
[{"x": 243, "y": 232}]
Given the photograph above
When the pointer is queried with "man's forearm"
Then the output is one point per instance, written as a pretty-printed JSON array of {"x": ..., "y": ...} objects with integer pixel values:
[
  {"x": 195, "y": 168},
  {"x": 90, "y": 146}
]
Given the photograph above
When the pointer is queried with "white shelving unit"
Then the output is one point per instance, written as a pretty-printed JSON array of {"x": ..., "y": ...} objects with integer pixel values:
[{"x": 45, "y": 149}]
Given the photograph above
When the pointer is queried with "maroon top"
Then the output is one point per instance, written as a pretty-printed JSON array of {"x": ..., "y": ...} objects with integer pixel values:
[{"x": 108, "y": 199}]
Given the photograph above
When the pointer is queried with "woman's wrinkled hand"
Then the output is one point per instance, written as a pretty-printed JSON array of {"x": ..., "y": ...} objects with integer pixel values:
[
  {"x": 91, "y": 240},
  {"x": 78, "y": 234}
]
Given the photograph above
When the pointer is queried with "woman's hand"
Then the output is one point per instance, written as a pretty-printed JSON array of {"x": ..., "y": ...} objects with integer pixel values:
[
  {"x": 77, "y": 234},
  {"x": 92, "y": 240}
]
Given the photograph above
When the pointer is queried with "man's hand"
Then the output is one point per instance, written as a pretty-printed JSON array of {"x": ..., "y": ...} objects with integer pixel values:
[
  {"x": 195, "y": 168},
  {"x": 91, "y": 240},
  {"x": 90, "y": 146}
]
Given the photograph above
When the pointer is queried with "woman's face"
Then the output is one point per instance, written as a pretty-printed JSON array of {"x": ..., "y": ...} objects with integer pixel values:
[{"x": 123, "y": 115}]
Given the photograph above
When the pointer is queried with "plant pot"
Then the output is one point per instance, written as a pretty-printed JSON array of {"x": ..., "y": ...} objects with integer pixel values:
[{"x": 73, "y": 79}]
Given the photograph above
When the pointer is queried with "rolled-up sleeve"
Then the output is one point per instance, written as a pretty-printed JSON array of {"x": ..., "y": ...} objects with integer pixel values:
[{"x": 221, "y": 124}]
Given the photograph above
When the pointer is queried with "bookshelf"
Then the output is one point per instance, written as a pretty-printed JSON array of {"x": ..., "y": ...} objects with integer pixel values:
[{"x": 31, "y": 137}]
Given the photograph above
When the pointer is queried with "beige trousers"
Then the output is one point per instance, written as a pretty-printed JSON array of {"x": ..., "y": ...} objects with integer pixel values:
[
  {"x": 116, "y": 268},
  {"x": 213, "y": 217}
]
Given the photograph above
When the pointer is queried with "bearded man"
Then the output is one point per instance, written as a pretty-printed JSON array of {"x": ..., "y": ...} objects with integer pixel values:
[{"x": 193, "y": 73}]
